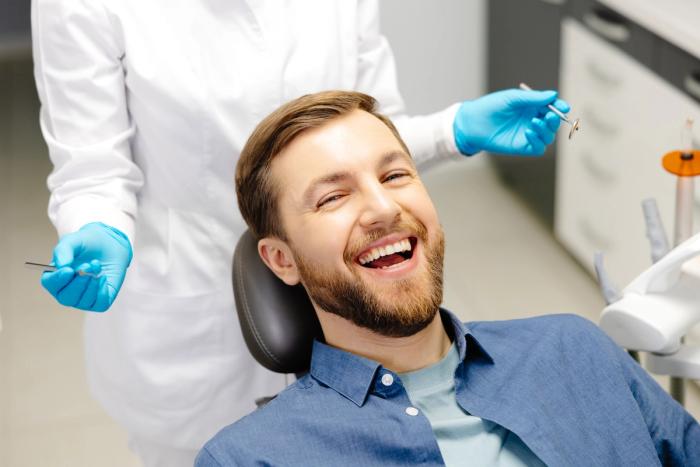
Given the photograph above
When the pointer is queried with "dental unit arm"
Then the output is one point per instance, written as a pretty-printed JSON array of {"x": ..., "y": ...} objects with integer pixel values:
[{"x": 658, "y": 308}]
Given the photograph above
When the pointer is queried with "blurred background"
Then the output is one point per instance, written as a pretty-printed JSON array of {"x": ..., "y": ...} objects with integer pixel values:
[{"x": 521, "y": 232}]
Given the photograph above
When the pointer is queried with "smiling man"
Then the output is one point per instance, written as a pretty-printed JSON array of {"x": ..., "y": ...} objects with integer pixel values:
[{"x": 329, "y": 189}]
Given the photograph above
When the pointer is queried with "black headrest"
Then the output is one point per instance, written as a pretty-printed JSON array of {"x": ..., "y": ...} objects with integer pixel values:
[{"x": 278, "y": 321}]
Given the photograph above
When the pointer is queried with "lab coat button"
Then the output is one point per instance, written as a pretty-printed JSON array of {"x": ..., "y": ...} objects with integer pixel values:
[
  {"x": 412, "y": 411},
  {"x": 387, "y": 379}
]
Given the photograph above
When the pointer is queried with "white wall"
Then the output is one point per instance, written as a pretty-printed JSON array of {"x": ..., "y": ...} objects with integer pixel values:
[{"x": 440, "y": 50}]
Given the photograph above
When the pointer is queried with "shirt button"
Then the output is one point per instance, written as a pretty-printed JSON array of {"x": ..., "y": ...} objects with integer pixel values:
[
  {"x": 387, "y": 379},
  {"x": 412, "y": 411}
]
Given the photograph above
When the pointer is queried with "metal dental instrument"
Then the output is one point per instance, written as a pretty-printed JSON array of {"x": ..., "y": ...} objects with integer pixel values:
[
  {"x": 50, "y": 268},
  {"x": 575, "y": 125}
]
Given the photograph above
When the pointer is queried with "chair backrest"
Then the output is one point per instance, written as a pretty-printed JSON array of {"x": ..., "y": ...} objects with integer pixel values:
[{"x": 278, "y": 321}]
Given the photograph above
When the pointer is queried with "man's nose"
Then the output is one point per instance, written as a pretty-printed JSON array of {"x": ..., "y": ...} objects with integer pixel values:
[{"x": 379, "y": 207}]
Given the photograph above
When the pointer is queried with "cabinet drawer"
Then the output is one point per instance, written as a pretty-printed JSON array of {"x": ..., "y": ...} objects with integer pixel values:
[
  {"x": 679, "y": 68},
  {"x": 595, "y": 78},
  {"x": 610, "y": 223},
  {"x": 587, "y": 229},
  {"x": 614, "y": 28}
]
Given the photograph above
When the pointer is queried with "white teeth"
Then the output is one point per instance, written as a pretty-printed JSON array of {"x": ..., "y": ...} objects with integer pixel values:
[{"x": 375, "y": 253}]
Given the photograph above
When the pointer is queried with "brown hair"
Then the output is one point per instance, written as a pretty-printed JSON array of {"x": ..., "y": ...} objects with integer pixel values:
[{"x": 257, "y": 195}]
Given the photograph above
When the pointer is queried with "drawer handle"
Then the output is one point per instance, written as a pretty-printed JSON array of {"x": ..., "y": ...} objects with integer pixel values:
[
  {"x": 554, "y": 2},
  {"x": 588, "y": 231},
  {"x": 607, "y": 25},
  {"x": 602, "y": 76},
  {"x": 692, "y": 84},
  {"x": 597, "y": 170}
]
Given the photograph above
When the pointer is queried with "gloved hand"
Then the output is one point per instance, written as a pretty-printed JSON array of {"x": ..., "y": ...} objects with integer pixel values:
[
  {"x": 97, "y": 249},
  {"x": 508, "y": 122}
]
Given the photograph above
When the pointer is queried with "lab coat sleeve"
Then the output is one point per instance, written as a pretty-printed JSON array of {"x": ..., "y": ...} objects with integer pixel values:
[
  {"x": 676, "y": 435},
  {"x": 78, "y": 49},
  {"x": 429, "y": 137}
]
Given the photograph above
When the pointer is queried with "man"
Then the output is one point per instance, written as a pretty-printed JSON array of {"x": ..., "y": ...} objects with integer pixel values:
[{"x": 328, "y": 187}]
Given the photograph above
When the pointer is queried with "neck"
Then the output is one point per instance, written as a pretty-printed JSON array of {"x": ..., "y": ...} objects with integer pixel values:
[{"x": 399, "y": 354}]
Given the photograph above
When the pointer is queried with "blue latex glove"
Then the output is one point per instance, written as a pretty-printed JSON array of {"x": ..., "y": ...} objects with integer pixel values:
[
  {"x": 508, "y": 122},
  {"x": 97, "y": 249}
]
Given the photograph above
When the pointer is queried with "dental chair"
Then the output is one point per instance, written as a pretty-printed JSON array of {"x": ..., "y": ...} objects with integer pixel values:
[{"x": 278, "y": 321}]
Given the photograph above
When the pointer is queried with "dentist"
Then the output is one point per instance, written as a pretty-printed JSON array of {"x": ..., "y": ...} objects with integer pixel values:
[{"x": 145, "y": 108}]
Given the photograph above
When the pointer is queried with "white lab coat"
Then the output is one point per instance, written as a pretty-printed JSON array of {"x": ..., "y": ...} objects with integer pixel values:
[{"x": 145, "y": 108}]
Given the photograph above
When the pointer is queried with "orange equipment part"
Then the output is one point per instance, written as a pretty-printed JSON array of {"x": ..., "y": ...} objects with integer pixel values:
[{"x": 682, "y": 163}]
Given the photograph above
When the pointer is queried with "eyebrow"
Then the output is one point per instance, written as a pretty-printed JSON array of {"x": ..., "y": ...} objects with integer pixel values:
[
  {"x": 340, "y": 176},
  {"x": 391, "y": 156}
]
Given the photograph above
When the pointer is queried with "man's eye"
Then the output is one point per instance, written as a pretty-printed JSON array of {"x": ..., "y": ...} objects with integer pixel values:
[
  {"x": 395, "y": 176},
  {"x": 330, "y": 199}
]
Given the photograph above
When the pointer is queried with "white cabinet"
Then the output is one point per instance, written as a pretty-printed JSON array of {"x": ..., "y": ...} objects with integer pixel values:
[{"x": 630, "y": 118}]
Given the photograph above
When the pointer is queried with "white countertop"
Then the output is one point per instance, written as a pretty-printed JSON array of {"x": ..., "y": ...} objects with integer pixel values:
[{"x": 677, "y": 21}]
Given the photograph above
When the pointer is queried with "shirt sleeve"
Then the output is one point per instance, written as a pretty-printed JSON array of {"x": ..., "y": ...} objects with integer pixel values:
[
  {"x": 429, "y": 137},
  {"x": 78, "y": 52},
  {"x": 676, "y": 435}
]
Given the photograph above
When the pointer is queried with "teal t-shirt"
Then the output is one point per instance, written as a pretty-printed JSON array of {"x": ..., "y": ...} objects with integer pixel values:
[{"x": 463, "y": 439}]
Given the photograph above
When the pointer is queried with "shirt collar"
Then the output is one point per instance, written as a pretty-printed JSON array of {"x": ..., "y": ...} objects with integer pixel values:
[{"x": 353, "y": 376}]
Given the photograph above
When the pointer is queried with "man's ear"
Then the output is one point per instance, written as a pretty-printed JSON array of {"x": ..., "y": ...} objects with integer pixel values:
[{"x": 277, "y": 256}]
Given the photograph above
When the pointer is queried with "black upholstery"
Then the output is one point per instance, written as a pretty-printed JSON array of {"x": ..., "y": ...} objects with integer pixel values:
[{"x": 278, "y": 321}]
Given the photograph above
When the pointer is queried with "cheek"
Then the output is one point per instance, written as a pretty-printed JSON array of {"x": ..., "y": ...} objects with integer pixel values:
[
  {"x": 419, "y": 204},
  {"x": 326, "y": 239},
  {"x": 434, "y": 218}
]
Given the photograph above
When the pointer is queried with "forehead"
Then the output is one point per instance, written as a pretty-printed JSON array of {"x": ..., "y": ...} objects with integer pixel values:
[{"x": 354, "y": 143}]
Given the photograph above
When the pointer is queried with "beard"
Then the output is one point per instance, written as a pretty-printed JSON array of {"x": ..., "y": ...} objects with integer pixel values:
[{"x": 410, "y": 304}]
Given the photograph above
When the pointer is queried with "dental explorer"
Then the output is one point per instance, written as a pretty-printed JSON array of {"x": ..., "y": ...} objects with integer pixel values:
[{"x": 575, "y": 125}]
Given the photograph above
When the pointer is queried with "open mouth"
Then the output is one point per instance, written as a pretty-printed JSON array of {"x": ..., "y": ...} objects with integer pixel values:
[{"x": 389, "y": 255}]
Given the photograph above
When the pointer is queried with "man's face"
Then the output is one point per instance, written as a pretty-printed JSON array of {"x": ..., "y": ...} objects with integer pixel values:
[{"x": 364, "y": 235}]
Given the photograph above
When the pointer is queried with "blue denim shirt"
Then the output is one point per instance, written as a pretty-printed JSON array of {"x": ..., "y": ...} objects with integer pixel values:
[{"x": 571, "y": 394}]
